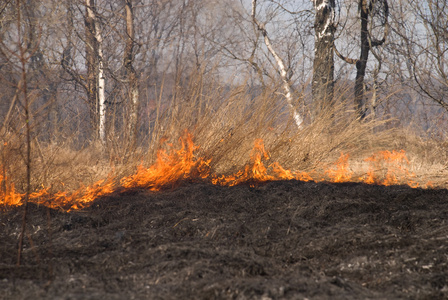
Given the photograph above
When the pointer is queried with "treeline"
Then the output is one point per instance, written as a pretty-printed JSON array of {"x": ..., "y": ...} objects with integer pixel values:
[{"x": 105, "y": 70}]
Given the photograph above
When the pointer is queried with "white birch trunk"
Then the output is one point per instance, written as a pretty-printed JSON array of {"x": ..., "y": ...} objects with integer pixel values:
[
  {"x": 133, "y": 115},
  {"x": 100, "y": 78},
  {"x": 283, "y": 73},
  {"x": 323, "y": 63},
  {"x": 101, "y": 88}
]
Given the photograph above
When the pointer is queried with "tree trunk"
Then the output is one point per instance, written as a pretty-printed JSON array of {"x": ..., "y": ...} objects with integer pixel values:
[
  {"x": 131, "y": 74},
  {"x": 101, "y": 86},
  {"x": 39, "y": 72},
  {"x": 373, "y": 9},
  {"x": 323, "y": 66},
  {"x": 361, "y": 64},
  {"x": 283, "y": 72},
  {"x": 96, "y": 82},
  {"x": 91, "y": 59},
  {"x": 27, "y": 114}
]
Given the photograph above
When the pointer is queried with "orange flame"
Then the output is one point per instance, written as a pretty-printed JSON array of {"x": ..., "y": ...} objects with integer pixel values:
[
  {"x": 284, "y": 174},
  {"x": 389, "y": 168},
  {"x": 341, "y": 173},
  {"x": 68, "y": 201},
  {"x": 8, "y": 194},
  {"x": 85, "y": 195},
  {"x": 174, "y": 166},
  {"x": 255, "y": 171},
  {"x": 170, "y": 168}
]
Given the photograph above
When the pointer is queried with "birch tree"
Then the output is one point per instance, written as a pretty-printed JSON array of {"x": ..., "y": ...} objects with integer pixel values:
[
  {"x": 96, "y": 83},
  {"x": 281, "y": 65},
  {"x": 323, "y": 66},
  {"x": 101, "y": 86}
]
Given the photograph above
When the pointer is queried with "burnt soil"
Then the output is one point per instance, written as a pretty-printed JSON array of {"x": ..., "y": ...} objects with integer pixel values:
[{"x": 280, "y": 240}]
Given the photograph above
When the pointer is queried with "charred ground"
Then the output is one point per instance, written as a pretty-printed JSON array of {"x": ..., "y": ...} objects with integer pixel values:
[{"x": 280, "y": 240}]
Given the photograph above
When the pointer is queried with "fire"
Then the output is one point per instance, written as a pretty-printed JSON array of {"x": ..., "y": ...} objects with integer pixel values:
[
  {"x": 284, "y": 174},
  {"x": 255, "y": 171},
  {"x": 67, "y": 201},
  {"x": 84, "y": 196},
  {"x": 170, "y": 168},
  {"x": 8, "y": 194},
  {"x": 176, "y": 165},
  {"x": 389, "y": 168},
  {"x": 341, "y": 173}
]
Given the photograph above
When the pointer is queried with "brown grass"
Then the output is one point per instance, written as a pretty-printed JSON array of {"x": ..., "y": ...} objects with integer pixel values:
[{"x": 225, "y": 123}]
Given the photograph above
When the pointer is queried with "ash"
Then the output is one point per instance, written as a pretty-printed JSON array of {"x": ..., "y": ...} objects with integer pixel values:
[{"x": 279, "y": 240}]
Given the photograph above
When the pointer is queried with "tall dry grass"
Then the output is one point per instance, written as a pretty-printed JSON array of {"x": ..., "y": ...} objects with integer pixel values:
[{"x": 225, "y": 121}]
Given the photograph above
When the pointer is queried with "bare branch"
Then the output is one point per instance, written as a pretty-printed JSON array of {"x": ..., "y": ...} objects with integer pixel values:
[
  {"x": 283, "y": 72},
  {"x": 291, "y": 12},
  {"x": 346, "y": 59}
]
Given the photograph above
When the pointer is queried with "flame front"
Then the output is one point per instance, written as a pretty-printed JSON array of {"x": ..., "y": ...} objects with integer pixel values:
[
  {"x": 170, "y": 168},
  {"x": 389, "y": 168},
  {"x": 342, "y": 172},
  {"x": 254, "y": 172},
  {"x": 174, "y": 166},
  {"x": 70, "y": 201},
  {"x": 8, "y": 194}
]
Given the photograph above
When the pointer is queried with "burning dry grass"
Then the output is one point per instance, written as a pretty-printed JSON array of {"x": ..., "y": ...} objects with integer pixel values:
[
  {"x": 177, "y": 165},
  {"x": 235, "y": 138}
]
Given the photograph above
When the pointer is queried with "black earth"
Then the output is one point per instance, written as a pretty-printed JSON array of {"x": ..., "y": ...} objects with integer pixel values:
[{"x": 279, "y": 240}]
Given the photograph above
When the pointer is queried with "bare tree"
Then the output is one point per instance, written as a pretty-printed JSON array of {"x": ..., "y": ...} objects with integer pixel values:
[
  {"x": 375, "y": 13},
  {"x": 22, "y": 56},
  {"x": 91, "y": 62},
  {"x": 131, "y": 73},
  {"x": 281, "y": 65},
  {"x": 323, "y": 66},
  {"x": 429, "y": 56},
  {"x": 95, "y": 70}
]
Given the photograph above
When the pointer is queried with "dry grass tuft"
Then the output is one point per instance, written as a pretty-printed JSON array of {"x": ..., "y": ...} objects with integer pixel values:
[{"x": 225, "y": 123}]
